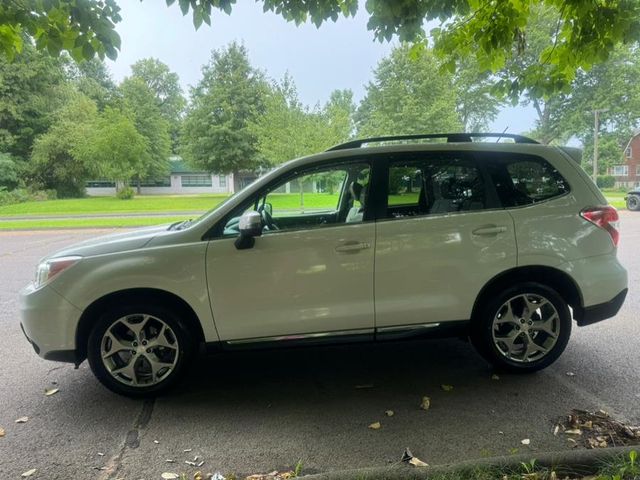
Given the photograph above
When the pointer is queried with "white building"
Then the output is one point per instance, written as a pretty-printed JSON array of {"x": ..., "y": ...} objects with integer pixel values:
[{"x": 182, "y": 179}]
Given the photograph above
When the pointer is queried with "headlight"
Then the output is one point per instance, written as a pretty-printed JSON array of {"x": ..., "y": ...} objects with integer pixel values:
[{"x": 50, "y": 268}]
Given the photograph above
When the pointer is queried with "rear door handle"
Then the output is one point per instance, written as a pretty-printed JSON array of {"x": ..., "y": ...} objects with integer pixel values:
[
  {"x": 489, "y": 230},
  {"x": 352, "y": 247}
]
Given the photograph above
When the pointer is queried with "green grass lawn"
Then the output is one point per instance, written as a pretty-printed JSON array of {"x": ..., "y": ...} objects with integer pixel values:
[{"x": 615, "y": 198}]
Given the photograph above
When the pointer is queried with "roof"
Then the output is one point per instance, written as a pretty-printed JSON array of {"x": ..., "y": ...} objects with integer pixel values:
[{"x": 178, "y": 165}]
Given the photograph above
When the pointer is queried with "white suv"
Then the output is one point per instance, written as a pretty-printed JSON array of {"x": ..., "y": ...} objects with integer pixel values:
[{"x": 504, "y": 242}]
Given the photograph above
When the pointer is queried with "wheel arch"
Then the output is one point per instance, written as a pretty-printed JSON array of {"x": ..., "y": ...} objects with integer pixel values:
[
  {"x": 151, "y": 295},
  {"x": 560, "y": 281}
]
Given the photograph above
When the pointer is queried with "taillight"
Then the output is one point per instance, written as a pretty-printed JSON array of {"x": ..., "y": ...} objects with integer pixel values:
[{"x": 605, "y": 217}]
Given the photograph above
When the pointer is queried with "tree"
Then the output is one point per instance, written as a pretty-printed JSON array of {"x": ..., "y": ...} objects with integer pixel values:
[
  {"x": 165, "y": 85},
  {"x": 216, "y": 135},
  {"x": 56, "y": 161},
  {"x": 409, "y": 94},
  {"x": 113, "y": 146},
  {"x": 288, "y": 129},
  {"x": 31, "y": 89},
  {"x": 8, "y": 172},
  {"x": 140, "y": 101},
  {"x": 83, "y": 28},
  {"x": 92, "y": 78},
  {"x": 492, "y": 32}
]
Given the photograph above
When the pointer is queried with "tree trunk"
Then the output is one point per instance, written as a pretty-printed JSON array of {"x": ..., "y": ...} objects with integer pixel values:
[{"x": 138, "y": 186}]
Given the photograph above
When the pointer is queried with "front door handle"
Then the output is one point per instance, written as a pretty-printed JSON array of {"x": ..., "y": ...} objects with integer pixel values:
[
  {"x": 489, "y": 230},
  {"x": 352, "y": 247}
]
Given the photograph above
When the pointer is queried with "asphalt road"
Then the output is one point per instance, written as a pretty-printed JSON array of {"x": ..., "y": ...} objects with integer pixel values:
[{"x": 255, "y": 412}]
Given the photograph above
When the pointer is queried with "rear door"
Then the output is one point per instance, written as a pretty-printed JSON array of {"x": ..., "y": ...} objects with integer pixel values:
[{"x": 441, "y": 238}]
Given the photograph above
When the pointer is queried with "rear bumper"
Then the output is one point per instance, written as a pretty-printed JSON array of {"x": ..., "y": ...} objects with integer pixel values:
[{"x": 602, "y": 311}]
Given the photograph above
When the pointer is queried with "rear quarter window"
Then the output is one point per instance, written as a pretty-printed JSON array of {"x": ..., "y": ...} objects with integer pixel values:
[{"x": 525, "y": 179}]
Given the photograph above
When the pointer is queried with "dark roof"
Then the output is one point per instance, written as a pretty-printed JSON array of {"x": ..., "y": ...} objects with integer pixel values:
[{"x": 178, "y": 165}]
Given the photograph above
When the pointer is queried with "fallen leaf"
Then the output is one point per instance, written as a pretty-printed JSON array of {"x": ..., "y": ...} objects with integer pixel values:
[
  {"x": 416, "y": 462},
  {"x": 22, "y": 420},
  {"x": 389, "y": 413},
  {"x": 426, "y": 403},
  {"x": 573, "y": 431},
  {"x": 51, "y": 391},
  {"x": 2, "y": 432},
  {"x": 495, "y": 377},
  {"x": 100, "y": 454},
  {"x": 556, "y": 429},
  {"x": 156, "y": 442},
  {"x": 571, "y": 374},
  {"x": 198, "y": 476},
  {"x": 28, "y": 473},
  {"x": 526, "y": 441},
  {"x": 501, "y": 432},
  {"x": 375, "y": 426},
  {"x": 170, "y": 476},
  {"x": 446, "y": 388}
]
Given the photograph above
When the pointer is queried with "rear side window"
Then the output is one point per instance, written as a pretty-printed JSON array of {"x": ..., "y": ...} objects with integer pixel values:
[
  {"x": 525, "y": 179},
  {"x": 434, "y": 185}
]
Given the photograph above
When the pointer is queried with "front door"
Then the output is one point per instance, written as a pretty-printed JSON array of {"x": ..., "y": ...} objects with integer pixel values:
[{"x": 310, "y": 274}]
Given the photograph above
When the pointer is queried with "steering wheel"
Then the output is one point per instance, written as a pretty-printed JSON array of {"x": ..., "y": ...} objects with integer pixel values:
[{"x": 267, "y": 219}]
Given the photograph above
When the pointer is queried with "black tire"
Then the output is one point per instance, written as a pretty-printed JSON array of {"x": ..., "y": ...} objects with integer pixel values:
[
  {"x": 482, "y": 328},
  {"x": 178, "y": 333},
  {"x": 633, "y": 203}
]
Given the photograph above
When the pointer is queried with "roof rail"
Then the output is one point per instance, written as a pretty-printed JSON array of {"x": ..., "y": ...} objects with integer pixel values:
[{"x": 451, "y": 137}]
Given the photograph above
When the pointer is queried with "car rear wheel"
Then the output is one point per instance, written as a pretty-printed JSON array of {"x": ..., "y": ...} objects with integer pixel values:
[
  {"x": 524, "y": 328},
  {"x": 139, "y": 350},
  {"x": 633, "y": 202}
]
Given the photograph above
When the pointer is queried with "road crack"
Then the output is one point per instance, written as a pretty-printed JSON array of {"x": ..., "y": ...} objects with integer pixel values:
[{"x": 131, "y": 441}]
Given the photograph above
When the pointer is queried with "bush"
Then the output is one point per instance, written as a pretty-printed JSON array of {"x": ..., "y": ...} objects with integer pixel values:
[
  {"x": 125, "y": 193},
  {"x": 21, "y": 195},
  {"x": 8, "y": 172},
  {"x": 606, "y": 181}
]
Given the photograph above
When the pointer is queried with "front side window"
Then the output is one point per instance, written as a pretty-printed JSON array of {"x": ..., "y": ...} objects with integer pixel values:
[
  {"x": 313, "y": 198},
  {"x": 524, "y": 179},
  {"x": 434, "y": 186}
]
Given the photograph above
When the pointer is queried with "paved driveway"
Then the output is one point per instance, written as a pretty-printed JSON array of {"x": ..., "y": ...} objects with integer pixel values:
[{"x": 260, "y": 411}]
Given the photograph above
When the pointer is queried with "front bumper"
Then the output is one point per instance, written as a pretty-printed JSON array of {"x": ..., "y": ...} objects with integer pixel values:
[
  {"x": 602, "y": 311},
  {"x": 49, "y": 322}
]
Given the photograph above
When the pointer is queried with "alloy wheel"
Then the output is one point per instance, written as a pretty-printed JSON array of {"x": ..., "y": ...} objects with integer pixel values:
[
  {"x": 139, "y": 350},
  {"x": 526, "y": 328}
]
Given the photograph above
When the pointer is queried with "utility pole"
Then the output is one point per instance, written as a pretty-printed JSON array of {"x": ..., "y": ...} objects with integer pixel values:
[{"x": 596, "y": 129}]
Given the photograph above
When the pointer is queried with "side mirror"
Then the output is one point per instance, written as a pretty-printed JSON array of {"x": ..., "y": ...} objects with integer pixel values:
[{"x": 250, "y": 226}]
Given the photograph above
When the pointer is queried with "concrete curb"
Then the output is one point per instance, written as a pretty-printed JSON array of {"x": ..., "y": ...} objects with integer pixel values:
[{"x": 582, "y": 462}]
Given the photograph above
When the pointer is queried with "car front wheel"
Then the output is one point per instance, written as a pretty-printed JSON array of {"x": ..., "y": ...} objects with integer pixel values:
[
  {"x": 139, "y": 350},
  {"x": 633, "y": 202},
  {"x": 522, "y": 329}
]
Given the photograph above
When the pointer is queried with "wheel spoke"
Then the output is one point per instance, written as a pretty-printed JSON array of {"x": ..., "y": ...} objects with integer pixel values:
[
  {"x": 156, "y": 365},
  {"x": 116, "y": 345},
  {"x": 533, "y": 348},
  {"x": 160, "y": 340},
  {"x": 138, "y": 327},
  {"x": 507, "y": 317},
  {"x": 128, "y": 370},
  {"x": 546, "y": 326},
  {"x": 509, "y": 340}
]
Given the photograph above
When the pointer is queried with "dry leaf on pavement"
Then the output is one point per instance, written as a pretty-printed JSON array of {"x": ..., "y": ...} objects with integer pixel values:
[
  {"x": 446, "y": 388},
  {"x": 408, "y": 457},
  {"x": 198, "y": 476},
  {"x": 525, "y": 441},
  {"x": 51, "y": 391},
  {"x": 573, "y": 431},
  {"x": 571, "y": 374},
  {"x": 22, "y": 420},
  {"x": 28, "y": 473},
  {"x": 375, "y": 426},
  {"x": 389, "y": 413},
  {"x": 416, "y": 462},
  {"x": 2, "y": 432},
  {"x": 426, "y": 403},
  {"x": 156, "y": 442},
  {"x": 170, "y": 476}
]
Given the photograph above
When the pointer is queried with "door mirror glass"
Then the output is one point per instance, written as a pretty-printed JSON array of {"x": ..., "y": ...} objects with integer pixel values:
[{"x": 250, "y": 224}]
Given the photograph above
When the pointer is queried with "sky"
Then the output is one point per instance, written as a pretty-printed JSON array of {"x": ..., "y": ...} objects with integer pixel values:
[{"x": 337, "y": 56}]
